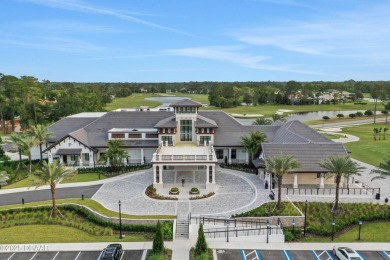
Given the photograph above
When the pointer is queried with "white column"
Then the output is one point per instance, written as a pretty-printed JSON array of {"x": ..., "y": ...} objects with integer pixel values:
[
  {"x": 230, "y": 156},
  {"x": 207, "y": 174},
  {"x": 214, "y": 173},
  {"x": 247, "y": 157},
  {"x": 154, "y": 174},
  {"x": 295, "y": 180},
  {"x": 50, "y": 158},
  {"x": 322, "y": 181},
  {"x": 161, "y": 172},
  {"x": 142, "y": 156},
  {"x": 80, "y": 159},
  {"x": 91, "y": 159}
]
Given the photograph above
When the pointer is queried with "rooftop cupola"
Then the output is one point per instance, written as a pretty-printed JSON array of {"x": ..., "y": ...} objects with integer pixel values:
[{"x": 186, "y": 106}]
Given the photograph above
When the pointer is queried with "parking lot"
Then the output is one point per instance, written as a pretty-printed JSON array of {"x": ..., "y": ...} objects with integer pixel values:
[
  {"x": 75, "y": 255},
  {"x": 223, "y": 254}
]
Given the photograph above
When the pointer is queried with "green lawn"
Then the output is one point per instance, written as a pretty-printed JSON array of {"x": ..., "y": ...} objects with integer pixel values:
[
  {"x": 138, "y": 99},
  {"x": 366, "y": 149},
  {"x": 340, "y": 120},
  {"x": 370, "y": 232},
  {"x": 55, "y": 234},
  {"x": 31, "y": 181},
  {"x": 94, "y": 205},
  {"x": 133, "y": 101},
  {"x": 330, "y": 136},
  {"x": 270, "y": 109}
]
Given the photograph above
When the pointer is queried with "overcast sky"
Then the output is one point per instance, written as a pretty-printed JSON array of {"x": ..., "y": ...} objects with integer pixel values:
[{"x": 195, "y": 40}]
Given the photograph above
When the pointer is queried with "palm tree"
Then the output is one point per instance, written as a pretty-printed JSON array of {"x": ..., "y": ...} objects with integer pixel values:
[
  {"x": 279, "y": 117},
  {"x": 385, "y": 129},
  {"x": 340, "y": 166},
  {"x": 115, "y": 154},
  {"x": 17, "y": 141},
  {"x": 379, "y": 132},
  {"x": 39, "y": 133},
  {"x": 281, "y": 165},
  {"x": 386, "y": 113},
  {"x": 252, "y": 142},
  {"x": 262, "y": 121},
  {"x": 383, "y": 170},
  {"x": 53, "y": 174},
  {"x": 376, "y": 130}
]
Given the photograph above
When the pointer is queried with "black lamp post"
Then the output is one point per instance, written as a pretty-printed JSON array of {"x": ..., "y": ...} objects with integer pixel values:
[
  {"x": 360, "y": 227},
  {"x": 293, "y": 224},
  {"x": 333, "y": 224},
  {"x": 304, "y": 226},
  {"x": 120, "y": 220},
  {"x": 267, "y": 230}
]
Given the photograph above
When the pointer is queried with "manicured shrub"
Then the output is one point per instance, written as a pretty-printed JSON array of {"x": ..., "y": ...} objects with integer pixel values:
[
  {"x": 326, "y": 117},
  {"x": 201, "y": 244},
  {"x": 174, "y": 190},
  {"x": 194, "y": 190},
  {"x": 368, "y": 113},
  {"x": 359, "y": 114},
  {"x": 340, "y": 115},
  {"x": 158, "y": 242},
  {"x": 352, "y": 115},
  {"x": 249, "y": 168}
]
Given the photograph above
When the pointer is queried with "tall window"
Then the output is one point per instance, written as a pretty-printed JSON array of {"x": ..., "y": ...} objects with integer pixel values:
[
  {"x": 219, "y": 153},
  {"x": 205, "y": 139},
  {"x": 234, "y": 154},
  {"x": 185, "y": 130},
  {"x": 167, "y": 139}
]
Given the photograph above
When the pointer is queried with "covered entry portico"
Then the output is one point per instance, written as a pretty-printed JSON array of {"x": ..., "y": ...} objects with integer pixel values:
[{"x": 193, "y": 164}]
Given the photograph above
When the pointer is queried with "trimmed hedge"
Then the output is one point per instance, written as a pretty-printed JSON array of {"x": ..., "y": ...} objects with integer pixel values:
[
  {"x": 240, "y": 167},
  {"x": 110, "y": 172},
  {"x": 319, "y": 215},
  {"x": 167, "y": 226}
]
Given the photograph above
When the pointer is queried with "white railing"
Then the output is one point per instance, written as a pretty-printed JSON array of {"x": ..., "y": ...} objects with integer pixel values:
[{"x": 181, "y": 157}]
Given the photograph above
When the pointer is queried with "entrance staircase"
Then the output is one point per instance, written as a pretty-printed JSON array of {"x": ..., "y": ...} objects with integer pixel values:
[{"x": 182, "y": 229}]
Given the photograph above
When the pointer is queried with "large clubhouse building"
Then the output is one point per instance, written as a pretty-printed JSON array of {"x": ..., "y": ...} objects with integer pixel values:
[{"x": 186, "y": 140}]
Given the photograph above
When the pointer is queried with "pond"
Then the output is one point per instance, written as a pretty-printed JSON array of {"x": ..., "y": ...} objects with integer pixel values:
[
  {"x": 166, "y": 101},
  {"x": 308, "y": 116}
]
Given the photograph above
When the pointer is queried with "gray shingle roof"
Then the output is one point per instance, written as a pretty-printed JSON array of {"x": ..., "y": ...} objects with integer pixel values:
[
  {"x": 296, "y": 132},
  {"x": 308, "y": 154},
  {"x": 202, "y": 121},
  {"x": 68, "y": 125},
  {"x": 186, "y": 103},
  {"x": 169, "y": 122},
  {"x": 68, "y": 151},
  {"x": 97, "y": 131}
]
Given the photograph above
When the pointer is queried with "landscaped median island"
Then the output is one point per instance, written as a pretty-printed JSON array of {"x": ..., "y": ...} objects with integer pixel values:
[
  {"x": 75, "y": 217},
  {"x": 320, "y": 216}
]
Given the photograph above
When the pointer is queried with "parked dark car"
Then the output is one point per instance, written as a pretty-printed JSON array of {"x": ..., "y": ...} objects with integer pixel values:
[{"x": 112, "y": 252}]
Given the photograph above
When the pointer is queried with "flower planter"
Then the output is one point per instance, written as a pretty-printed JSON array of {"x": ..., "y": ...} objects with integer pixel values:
[{"x": 194, "y": 191}]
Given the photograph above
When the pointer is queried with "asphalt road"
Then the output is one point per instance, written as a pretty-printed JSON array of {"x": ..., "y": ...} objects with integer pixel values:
[{"x": 41, "y": 195}]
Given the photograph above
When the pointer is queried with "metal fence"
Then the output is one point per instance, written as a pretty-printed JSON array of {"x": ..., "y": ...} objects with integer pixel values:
[
  {"x": 215, "y": 220},
  {"x": 236, "y": 232},
  {"x": 332, "y": 191}
]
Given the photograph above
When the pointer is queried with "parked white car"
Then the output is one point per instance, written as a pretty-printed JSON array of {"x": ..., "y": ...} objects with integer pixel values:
[{"x": 346, "y": 253}]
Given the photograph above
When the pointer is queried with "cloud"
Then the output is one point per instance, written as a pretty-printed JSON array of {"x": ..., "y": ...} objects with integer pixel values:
[
  {"x": 68, "y": 27},
  {"x": 50, "y": 43},
  {"x": 233, "y": 55},
  {"x": 361, "y": 34},
  {"x": 78, "y": 6}
]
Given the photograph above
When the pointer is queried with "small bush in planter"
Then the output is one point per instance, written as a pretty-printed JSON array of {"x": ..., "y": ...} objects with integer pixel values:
[
  {"x": 194, "y": 190},
  {"x": 174, "y": 190},
  {"x": 386, "y": 200}
]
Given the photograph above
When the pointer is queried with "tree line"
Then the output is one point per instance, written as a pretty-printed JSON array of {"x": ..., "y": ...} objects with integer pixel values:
[{"x": 36, "y": 102}]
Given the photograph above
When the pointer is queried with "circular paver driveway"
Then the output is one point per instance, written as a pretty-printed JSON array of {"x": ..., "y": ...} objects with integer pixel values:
[{"x": 237, "y": 192}]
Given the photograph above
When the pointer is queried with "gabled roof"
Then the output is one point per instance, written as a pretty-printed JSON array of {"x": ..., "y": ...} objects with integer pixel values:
[
  {"x": 67, "y": 125},
  {"x": 307, "y": 154},
  {"x": 296, "y": 132},
  {"x": 169, "y": 122},
  {"x": 186, "y": 103},
  {"x": 97, "y": 131},
  {"x": 202, "y": 121}
]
